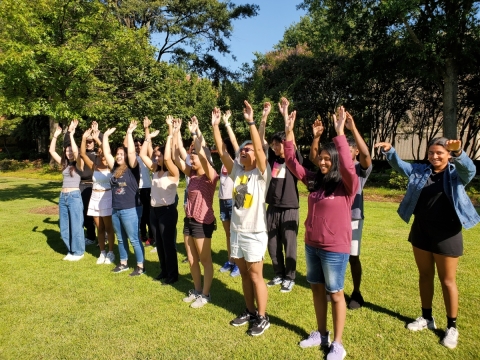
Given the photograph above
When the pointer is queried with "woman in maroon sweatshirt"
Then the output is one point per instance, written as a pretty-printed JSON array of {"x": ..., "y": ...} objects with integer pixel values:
[{"x": 328, "y": 230}]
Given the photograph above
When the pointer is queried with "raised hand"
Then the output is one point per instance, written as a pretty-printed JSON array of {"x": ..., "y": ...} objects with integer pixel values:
[
  {"x": 155, "y": 133},
  {"x": 95, "y": 134},
  {"x": 73, "y": 126},
  {"x": 94, "y": 126},
  {"x": 87, "y": 133},
  {"x": 177, "y": 124},
  {"x": 339, "y": 122},
  {"x": 169, "y": 120},
  {"x": 146, "y": 122},
  {"x": 453, "y": 145},
  {"x": 226, "y": 116},
  {"x": 349, "y": 123},
  {"x": 132, "y": 127},
  {"x": 248, "y": 112},
  {"x": 58, "y": 131},
  {"x": 267, "y": 107},
  {"x": 216, "y": 117},
  {"x": 386, "y": 146},
  {"x": 192, "y": 125},
  {"x": 317, "y": 128},
  {"x": 290, "y": 121},
  {"x": 283, "y": 107},
  {"x": 110, "y": 131}
]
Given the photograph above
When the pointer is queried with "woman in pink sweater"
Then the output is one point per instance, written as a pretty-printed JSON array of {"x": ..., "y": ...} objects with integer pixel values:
[{"x": 328, "y": 231}]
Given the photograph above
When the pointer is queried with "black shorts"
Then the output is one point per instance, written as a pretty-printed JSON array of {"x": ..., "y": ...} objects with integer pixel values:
[
  {"x": 198, "y": 230},
  {"x": 442, "y": 239}
]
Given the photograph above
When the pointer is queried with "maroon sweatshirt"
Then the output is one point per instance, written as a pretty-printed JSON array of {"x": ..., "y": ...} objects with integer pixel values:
[{"x": 328, "y": 225}]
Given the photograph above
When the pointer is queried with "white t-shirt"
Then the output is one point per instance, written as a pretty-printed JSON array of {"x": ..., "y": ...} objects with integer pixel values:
[{"x": 249, "y": 190}]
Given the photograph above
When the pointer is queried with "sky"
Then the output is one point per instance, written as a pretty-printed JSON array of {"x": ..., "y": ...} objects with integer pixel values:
[{"x": 259, "y": 33}]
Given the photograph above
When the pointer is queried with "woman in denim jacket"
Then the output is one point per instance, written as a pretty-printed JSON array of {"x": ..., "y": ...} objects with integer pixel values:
[{"x": 436, "y": 196}]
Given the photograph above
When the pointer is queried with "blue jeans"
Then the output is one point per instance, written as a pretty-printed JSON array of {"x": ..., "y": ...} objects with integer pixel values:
[
  {"x": 70, "y": 208},
  {"x": 125, "y": 224},
  {"x": 326, "y": 267}
]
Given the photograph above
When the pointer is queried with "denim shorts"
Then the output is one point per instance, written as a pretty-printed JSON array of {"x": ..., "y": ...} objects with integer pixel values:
[
  {"x": 357, "y": 227},
  {"x": 250, "y": 246},
  {"x": 225, "y": 209},
  {"x": 326, "y": 267}
]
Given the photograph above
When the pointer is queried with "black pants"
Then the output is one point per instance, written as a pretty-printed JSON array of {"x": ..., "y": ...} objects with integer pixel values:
[
  {"x": 145, "y": 221},
  {"x": 88, "y": 223},
  {"x": 164, "y": 227},
  {"x": 282, "y": 228}
]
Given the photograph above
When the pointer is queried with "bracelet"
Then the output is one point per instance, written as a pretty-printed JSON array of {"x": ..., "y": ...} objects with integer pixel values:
[
  {"x": 147, "y": 140},
  {"x": 227, "y": 124},
  {"x": 251, "y": 123},
  {"x": 194, "y": 133}
]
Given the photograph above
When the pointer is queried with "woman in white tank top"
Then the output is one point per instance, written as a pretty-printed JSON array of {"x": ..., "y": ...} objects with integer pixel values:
[
  {"x": 100, "y": 205},
  {"x": 163, "y": 211}
]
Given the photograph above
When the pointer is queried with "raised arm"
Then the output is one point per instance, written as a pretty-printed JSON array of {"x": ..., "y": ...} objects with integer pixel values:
[
  {"x": 317, "y": 129},
  {"x": 260, "y": 157},
  {"x": 96, "y": 134},
  {"x": 132, "y": 156},
  {"x": 464, "y": 165},
  {"x": 267, "y": 107},
  {"x": 147, "y": 160},
  {"x": 402, "y": 167},
  {"x": 106, "y": 148},
  {"x": 73, "y": 144},
  {"x": 200, "y": 149},
  {"x": 177, "y": 147},
  {"x": 146, "y": 127},
  {"x": 363, "y": 152},
  {"x": 289, "y": 148},
  {"x": 231, "y": 134},
  {"x": 52, "y": 150},
  {"x": 283, "y": 108},
  {"x": 83, "y": 149},
  {"x": 167, "y": 156},
  {"x": 217, "y": 137}
]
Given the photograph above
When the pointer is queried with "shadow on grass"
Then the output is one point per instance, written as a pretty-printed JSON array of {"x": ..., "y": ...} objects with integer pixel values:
[{"x": 44, "y": 191}]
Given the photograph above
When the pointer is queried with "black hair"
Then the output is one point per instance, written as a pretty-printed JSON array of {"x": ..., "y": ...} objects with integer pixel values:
[
  {"x": 229, "y": 147},
  {"x": 138, "y": 140},
  {"x": 330, "y": 180},
  {"x": 437, "y": 141},
  {"x": 67, "y": 163},
  {"x": 351, "y": 142},
  {"x": 161, "y": 148},
  {"x": 279, "y": 137}
]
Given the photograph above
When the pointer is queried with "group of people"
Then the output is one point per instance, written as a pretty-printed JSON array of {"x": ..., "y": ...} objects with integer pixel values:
[{"x": 256, "y": 174}]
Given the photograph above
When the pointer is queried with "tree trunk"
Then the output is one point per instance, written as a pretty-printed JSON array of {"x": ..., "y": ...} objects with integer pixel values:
[{"x": 450, "y": 90}]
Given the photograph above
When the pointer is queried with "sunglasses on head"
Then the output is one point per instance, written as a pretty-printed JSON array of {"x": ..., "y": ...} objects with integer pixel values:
[{"x": 246, "y": 149}]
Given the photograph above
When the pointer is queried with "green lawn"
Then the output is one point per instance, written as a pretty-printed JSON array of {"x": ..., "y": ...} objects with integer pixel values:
[{"x": 52, "y": 309}]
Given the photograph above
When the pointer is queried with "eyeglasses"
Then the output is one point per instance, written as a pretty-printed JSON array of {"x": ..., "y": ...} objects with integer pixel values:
[{"x": 246, "y": 149}]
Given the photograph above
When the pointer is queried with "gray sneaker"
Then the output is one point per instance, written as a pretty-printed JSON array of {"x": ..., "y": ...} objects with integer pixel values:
[
  {"x": 451, "y": 338},
  {"x": 192, "y": 296},
  {"x": 201, "y": 301},
  {"x": 337, "y": 352},
  {"x": 287, "y": 286},
  {"x": 277, "y": 280},
  {"x": 421, "y": 324},
  {"x": 316, "y": 339}
]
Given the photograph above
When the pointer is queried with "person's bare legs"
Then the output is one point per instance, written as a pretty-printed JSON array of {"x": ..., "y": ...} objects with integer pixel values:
[
  {"x": 447, "y": 271},
  {"x": 108, "y": 226},
  {"x": 320, "y": 305},
  {"x": 204, "y": 249},
  {"x": 226, "y": 228},
  {"x": 194, "y": 262},
  {"x": 339, "y": 314},
  {"x": 426, "y": 269},
  {"x": 101, "y": 232}
]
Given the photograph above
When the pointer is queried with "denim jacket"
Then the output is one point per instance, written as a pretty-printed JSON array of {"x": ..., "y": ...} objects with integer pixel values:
[{"x": 458, "y": 174}]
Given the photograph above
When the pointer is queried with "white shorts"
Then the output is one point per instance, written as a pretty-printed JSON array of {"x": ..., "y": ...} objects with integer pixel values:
[
  {"x": 357, "y": 227},
  {"x": 100, "y": 204},
  {"x": 250, "y": 246}
]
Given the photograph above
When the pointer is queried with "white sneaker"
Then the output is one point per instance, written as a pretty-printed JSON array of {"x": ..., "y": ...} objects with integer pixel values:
[
  {"x": 68, "y": 257},
  {"x": 101, "y": 258},
  {"x": 316, "y": 339},
  {"x": 421, "y": 324},
  {"x": 76, "y": 257},
  {"x": 110, "y": 258},
  {"x": 154, "y": 250},
  {"x": 201, "y": 301},
  {"x": 451, "y": 338},
  {"x": 192, "y": 296}
]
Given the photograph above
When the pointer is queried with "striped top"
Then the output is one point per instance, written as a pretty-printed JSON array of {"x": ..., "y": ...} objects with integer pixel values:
[{"x": 200, "y": 198}]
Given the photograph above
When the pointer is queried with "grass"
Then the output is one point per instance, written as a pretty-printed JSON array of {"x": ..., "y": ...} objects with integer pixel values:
[{"x": 51, "y": 309}]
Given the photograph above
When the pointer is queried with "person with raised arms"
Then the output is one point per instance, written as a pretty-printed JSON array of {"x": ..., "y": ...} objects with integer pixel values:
[
  {"x": 70, "y": 206},
  {"x": 163, "y": 211},
  {"x": 251, "y": 174},
  {"x": 125, "y": 199},
  {"x": 328, "y": 230},
  {"x": 199, "y": 222},
  {"x": 436, "y": 196}
]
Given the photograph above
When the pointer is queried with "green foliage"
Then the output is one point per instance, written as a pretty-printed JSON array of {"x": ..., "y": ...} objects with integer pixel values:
[
  {"x": 13, "y": 165},
  {"x": 398, "y": 181}
]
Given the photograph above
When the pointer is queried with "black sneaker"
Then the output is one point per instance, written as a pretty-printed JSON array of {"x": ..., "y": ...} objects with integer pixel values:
[
  {"x": 277, "y": 280},
  {"x": 261, "y": 324},
  {"x": 244, "y": 318},
  {"x": 137, "y": 272},
  {"x": 160, "y": 277},
  {"x": 356, "y": 301},
  {"x": 287, "y": 286},
  {"x": 120, "y": 268},
  {"x": 170, "y": 281}
]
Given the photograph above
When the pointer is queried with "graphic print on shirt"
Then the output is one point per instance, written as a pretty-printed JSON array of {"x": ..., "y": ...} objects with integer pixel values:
[
  {"x": 121, "y": 188},
  {"x": 278, "y": 170},
  {"x": 240, "y": 192}
]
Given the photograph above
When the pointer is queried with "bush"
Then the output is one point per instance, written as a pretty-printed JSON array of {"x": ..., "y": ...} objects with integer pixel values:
[
  {"x": 397, "y": 181},
  {"x": 13, "y": 165}
]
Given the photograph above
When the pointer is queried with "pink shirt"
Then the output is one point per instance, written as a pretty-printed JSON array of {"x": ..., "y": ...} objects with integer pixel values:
[
  {"x": 328, "y": 225},
  {"x": 200, "y": 198}
]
